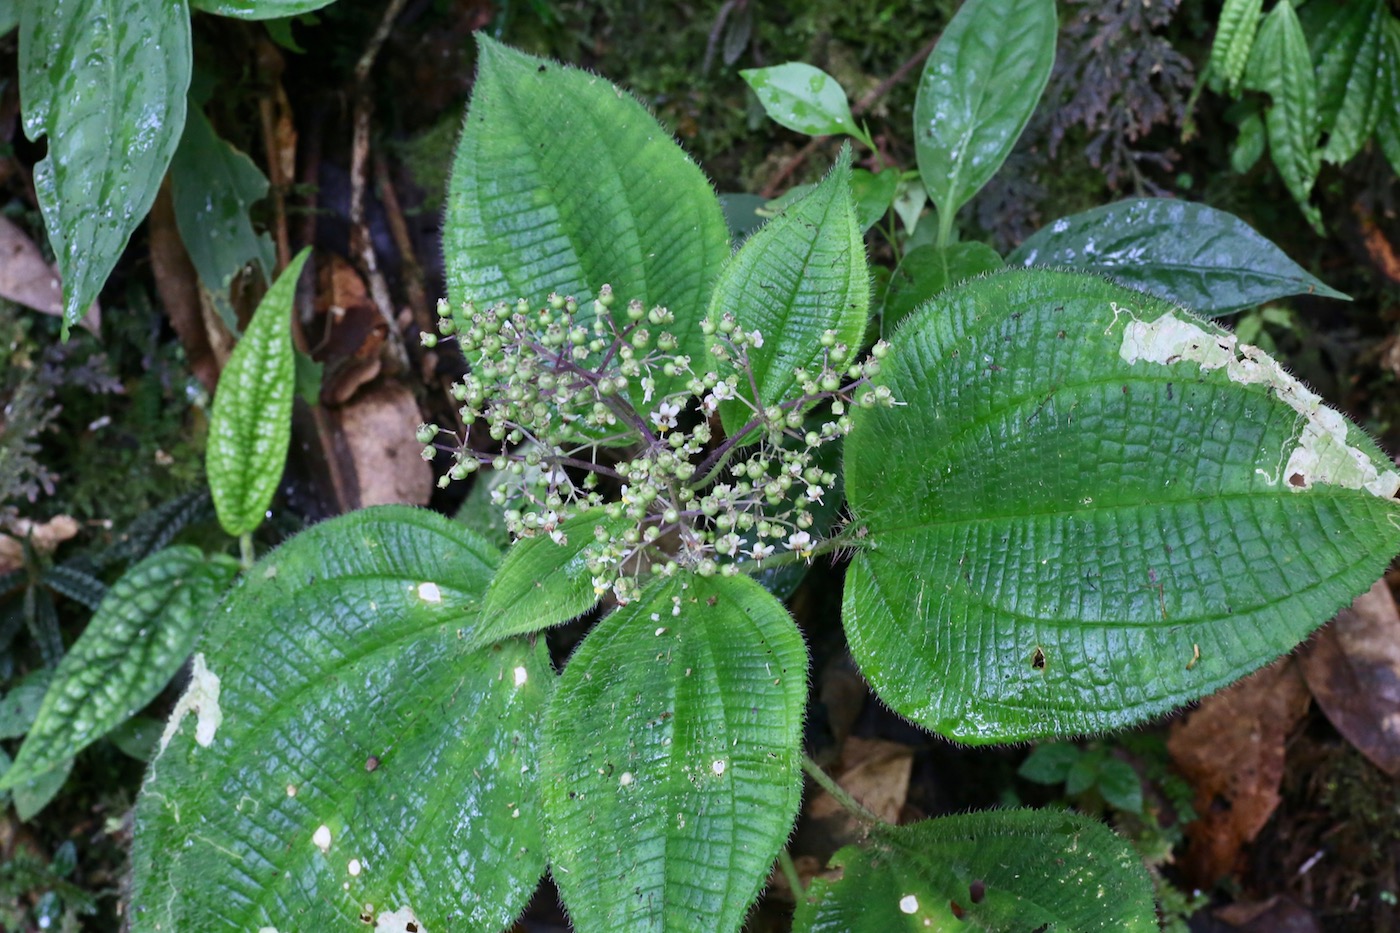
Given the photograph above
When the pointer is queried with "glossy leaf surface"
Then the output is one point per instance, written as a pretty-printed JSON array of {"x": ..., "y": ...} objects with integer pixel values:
[
  {"x": 543, "y": 582},
  {"x": 259, "y": 9},
  {"x": 802, "y": 273},
  {"x": 979, "y": 87},
  {"x": 563, "y": 182},
  {"x": 1348, "y": 56},
  {"x": 106, "y": 85},
  {"x": 1092, "y": 508},
  {"x": 1281, "y": 67},
  {"x": 1204, "y": 259},
  {"x": 671, "y": 761},
  {"x": 999, "y": 870},
  {"x": 1234, "y": 38},
  {"x": 802, "y": 98},
  {"x": 140, "y": 635},
  {"x": 251, "y": 425},
  {"x": 352, "y": 754}
]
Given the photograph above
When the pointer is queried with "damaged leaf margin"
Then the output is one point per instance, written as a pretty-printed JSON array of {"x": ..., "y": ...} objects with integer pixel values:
[{"x": 1321, "y": 453}]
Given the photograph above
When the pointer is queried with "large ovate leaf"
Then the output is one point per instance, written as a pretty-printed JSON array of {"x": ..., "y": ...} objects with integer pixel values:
[
  {"x": 563, "y": 182},
  {"x": 352, "y": 755},
  {"x": 259, "y": 9},
  {"x": 802, "y": 274},
  {"x": 1002, "y": 870},
  {"x": 136, "y": 641},
  {"x": 672, "y": 748},
  {"x": 979, "y": 87},
  {"x": 106, "y": 85},
  {"x": 1234, "y": 38},
  {"x": 1092, "y": 507},
  {"x": 1281, "y": 67},
  {"x": 213, "y": 186},
  {"x": 545, "y": 580},
  {"x": 1349, "y": 95},
  {"x": 1207, "y": 260},
  {"x": 802, "y": 98},
  {"x": 251, "y": 426}
]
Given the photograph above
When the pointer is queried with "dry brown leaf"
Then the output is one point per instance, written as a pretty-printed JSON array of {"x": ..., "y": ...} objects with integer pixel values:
[
  {"x": 1352, "y": 668},
  {"x": 1276, "y": 915},
  {"x": 876, "y": 773},
  {"x": 1231, "y": 750},
  {"x": 205, "y": 339},
  {"x": 27, "y": 280},
  {"x": 45, "y": 539},
  {"x": 376, "y": 431}
]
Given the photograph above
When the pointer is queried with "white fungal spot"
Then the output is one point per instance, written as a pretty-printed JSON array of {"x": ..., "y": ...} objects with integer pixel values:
[
  {"x": 908, "y": 904},
  {"x": 626, "y": 778},
  {"x": 322, "y": 837},
  {"x": 291, "y": 790},
  {"x": 201, "y": 698},
  {"x": 1322, "y": 453},
  {"x": 718, "y": 767},
  {"x": 521, "y": 676},
  {"x": 661, "y": 631},
  {"x": 429, "y": 593},
  {"x": 398, "y": 921},
  {"x": 354, "y": 868}
]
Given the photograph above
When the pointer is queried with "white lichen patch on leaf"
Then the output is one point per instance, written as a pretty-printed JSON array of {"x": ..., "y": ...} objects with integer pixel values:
[
  {"x": 1321, "y": 455},
  {"x": 322, "y": 837},
  {"x": 908, "y": 904},
  {"x": 398, "y": 921},
  {"x": 429, "y": 593},
  {"x": 521, "y": 676},
  {"x": 200, "y": 698}
]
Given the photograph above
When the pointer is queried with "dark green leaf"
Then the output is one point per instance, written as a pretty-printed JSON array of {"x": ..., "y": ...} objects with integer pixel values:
[
  {"x": 1120, "y": 785},
  {"x": 803, "y": 98},
  {"x": 979, "y": 87},
  {"x": 543, "y": 582},
  {"x": 1093, "y": 507},
  {"x": 156, "y": 528},
  {"x": 873, "y": 194},
  {"x": 82, "y": 588},
  {"x": 21, "y": 704},
  {"x": 35, "y": 794},
  {"x": 138, "y": 638},
  {"x": 1234, "y": 37},
  {"x": 1210, "y": 261},
  {"x": 1388, "y": 125},
  {"x": 9, "y": 16},
  {"x": 259, "y": 9},
  {"x": 106, "y": 85},
  {"x": 1349, "y": 95},
  {"x": 42, "y": 621},
  {"x": 137, "y": 737},
  {"x": 1084, "y": 773},
  {"x": 802, "y": 274},
  {"x": 1050, "y": 763},
  {"x": 1281, "y": 67},
  {"x": 563, "y": 182},
  {"x": 742, "y": 213},
  {"x": 671, "y": 774},
  {"x": 927, "y": 270},
  {"x": 351, "y": 748},
  {"x": 1249, "y": 147},
  {"x": 1007, "y": 871},
  {"x": 252, "y": 421}
]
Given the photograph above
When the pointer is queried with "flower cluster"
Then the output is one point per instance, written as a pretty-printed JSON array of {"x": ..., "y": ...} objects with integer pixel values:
[{"x": 596, "y": 409}]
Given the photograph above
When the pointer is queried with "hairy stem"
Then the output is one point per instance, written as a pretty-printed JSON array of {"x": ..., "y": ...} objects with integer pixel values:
[{"x": 838, "y": 793}]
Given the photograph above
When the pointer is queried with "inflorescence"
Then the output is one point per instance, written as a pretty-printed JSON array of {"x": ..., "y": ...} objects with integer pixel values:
[{"x": 600, "y": 411}]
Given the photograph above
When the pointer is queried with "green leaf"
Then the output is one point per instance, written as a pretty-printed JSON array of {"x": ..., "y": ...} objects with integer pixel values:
[
  {"x": 927, "y": 270},
  {"x": 1388, "y": 125},
  {"x": 1349, "y": 95},
  {"x": 1000, "y": 870},
  {"x": 251, "y": 426},
  {"x": 82, "y": 588},
  {"x": 873, "y": 194},
  {"x": 9, "y": 16},
  {"x": 213, "y": 186},
  {"x": 1050, "y": 763},
  {"x": 140, "y": 635},
  {"x": 672, "y": 747},
  {"x": 1281, "y": 67},
  {"x": 743, "y": 213},
  {"x": 106, "y": 84},
  {"x": 1210, "y": 261},
  {"x": 21, "y": 704},
  {"x": 1120, "y": 785},
  {"x": 137, "y": 737},
  {"x": 803, "y": 98},
  {"x": 802, "y": 274},
  {"x": 543, "y": 583},
  {"x": 259, "y": 9},
  {"x": 563, "y": 182},
  {"x": 39, "y": 791},
  {"x": 1234, "y": 38},
  {"x": 979, "y": 87},
  {"x": 1092, "y": 508},
  {"x": 339, "y": 690},
  {"x": 1249, "y": 146}
]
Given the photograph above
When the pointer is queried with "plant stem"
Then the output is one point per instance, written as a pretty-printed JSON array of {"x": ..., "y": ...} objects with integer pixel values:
[
  {"x": 794, "y": 880},
  {"x": 838, "y": 793},
  {"x": 245, "y": 549}
]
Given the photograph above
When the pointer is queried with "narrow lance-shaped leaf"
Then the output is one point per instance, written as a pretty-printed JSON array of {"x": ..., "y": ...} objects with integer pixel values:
[
  {"x": 259, "y": 9},
  {"x": 1281, "y": 67},
  {"x": 803, "y": 98},
  {"x": 251, "y": 426},
  {"x": 979, "y": 87},
  {"x": 545, "y": 580},
  {"x": 1197, "y": 256},
  {"x": 1002, "y": 871},
  {"x": 801, "y": 274},
  {"x": 140, "y": 635},
  {"x": 672, "y": 746},
  {"x": 106, "y": 85},
  {"x": 563, "y": 182},
  {"x": 353, "y": 760},
  {"x": 1349, "y": 92},
  {"x": 1234, "y": 38},
  {"x": 1093, "y": 507}
]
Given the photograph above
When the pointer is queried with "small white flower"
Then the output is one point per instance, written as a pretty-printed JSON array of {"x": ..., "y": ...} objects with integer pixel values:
[
  {"x": 665, "y": 416},
  {"x": 723, "y": 391},
  {"x": 760, "y": 551},
  {"x": 755, "y": 339},
  {"x": 711, "y": 404},
  {"x": 801, "y": 542},
  {"x": 648, "y": 388},
  {"x": 815, "y": 493}
]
